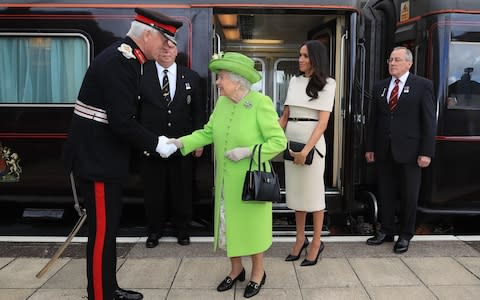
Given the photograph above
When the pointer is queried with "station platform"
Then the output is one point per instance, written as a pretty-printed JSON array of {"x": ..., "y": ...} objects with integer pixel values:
[{"x": 435, "y": 267}]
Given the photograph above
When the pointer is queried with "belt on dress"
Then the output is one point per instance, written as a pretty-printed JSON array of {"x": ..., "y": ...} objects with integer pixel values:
[
  {"x": 90, "y": 112},
  {"x": 302, "y": 119}
]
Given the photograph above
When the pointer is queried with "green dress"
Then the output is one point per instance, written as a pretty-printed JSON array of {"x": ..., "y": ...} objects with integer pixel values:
[{"x": 250, "y": 122}]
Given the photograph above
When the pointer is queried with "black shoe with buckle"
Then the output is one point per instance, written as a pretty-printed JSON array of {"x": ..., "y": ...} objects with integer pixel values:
[
  {"x": 152, "y": 240},
  {"x": 228, "y": 282},
  {"x": 253, "y": 288},
  {"x": 379, "y": 239},
  {"x": 121, "y": 294}
]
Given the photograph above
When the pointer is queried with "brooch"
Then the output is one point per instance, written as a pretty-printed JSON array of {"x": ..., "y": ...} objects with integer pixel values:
[
  {"x": 126, "y": 51},
  {"x": 189, "y": 99},
  {"x": 247, "y": 104},
  {"x": 217, "y": 55}
]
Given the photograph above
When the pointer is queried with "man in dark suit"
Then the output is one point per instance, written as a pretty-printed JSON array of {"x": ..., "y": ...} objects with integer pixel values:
[
  {"x": 401, "y": 140},
  {"x": 103, "y": 131},
  {"x": 173, "y": 107}
]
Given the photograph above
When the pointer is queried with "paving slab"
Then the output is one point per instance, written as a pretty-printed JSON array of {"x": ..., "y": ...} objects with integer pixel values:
[
  {"x": 203, "y": 273},
  {"x": 64, "y": 294},
  {"x": 199, "y": 294},
  {"x": 148, "y": 273},
  {"x": 5, "y": 261},
  {"x": 343, "y": 293},
  {"x": 456, "y": 292},
  {"x": 383, "y": 272},
  {"x": 440, "y": 271},
  {"x": 154, "y": 294},
  {"x": 21, "y": 272},
  {"x": 471, "y": 263},
  {"x": 16, "y": 294},
  {"x": 328, "y": 272},
  {"x": 400, "y": 293}
]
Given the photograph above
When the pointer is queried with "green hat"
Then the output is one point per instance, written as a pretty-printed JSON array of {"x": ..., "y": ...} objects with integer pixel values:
[{"x": 236, "y": 63}]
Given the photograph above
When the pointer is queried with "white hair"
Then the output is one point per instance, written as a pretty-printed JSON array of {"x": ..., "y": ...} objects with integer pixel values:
[
  {"x": 408, "y": 53},
  {"x": 244, "y": 83},
  {"x": 137, "y": 29}
]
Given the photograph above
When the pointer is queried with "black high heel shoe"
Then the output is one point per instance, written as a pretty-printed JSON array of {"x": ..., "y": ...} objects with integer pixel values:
[
  {"x": 307, "y": 262},
  {"x": 228, "y": 282},
  {"x": 292, "y": 257},
  {"x": 253, "y": 288}
]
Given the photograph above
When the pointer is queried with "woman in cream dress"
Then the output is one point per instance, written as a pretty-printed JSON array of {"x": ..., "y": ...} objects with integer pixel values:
[{"x": 305, "y": 117}]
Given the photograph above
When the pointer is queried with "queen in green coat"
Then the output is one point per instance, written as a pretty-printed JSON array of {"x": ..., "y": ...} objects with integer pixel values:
[{"x": 242, "y": 118}]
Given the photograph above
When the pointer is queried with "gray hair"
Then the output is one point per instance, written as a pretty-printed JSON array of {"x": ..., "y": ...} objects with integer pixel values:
[
  {"x": 408, "y": 53},
  {"x": 244, "y": 83},
  {"x": 137, "y": 29}
]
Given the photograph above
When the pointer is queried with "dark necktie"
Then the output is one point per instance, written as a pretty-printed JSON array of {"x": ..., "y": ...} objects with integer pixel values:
[
  {"x": 392, "y": 103},
  {"x": 166, "y": 87}
]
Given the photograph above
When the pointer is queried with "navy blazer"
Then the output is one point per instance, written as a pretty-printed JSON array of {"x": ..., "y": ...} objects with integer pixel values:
[{"x": 410, "y": 129}]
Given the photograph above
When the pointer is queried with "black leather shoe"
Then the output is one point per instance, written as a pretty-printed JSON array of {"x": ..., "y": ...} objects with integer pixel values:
[
  {"x": 292, "y": 257},
  {"x": 401, "y": 245},
  {"x": 121, "y": 294},
  {"x": 253, "y": 288},
  {"x": 152, "y": 240},
  {"x": 183, "y": 240},
  {"x": 228, "y": 282},
  {"x": 379, "y": 239},
  {"x": 306, "y": 262}
]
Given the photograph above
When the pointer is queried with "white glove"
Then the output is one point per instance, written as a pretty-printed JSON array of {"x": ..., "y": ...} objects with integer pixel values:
[
  {"x": 164, "y": 149},
  {"x": 239, "y": 153},
  {"x": 175, "y": 142}
]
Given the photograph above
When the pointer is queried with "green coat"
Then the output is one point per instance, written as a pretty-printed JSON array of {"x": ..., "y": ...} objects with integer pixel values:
[{"x": 250, "y": 122}]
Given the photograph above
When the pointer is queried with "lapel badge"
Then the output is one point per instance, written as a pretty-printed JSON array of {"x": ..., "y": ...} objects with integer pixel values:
[
  {"x": 248, "y": 104},
  {"x": 383, "y": 92},
  {"x": 189, "y": 99},
  {"x": 126, "y": 50},
  {"x": 187, "y": 86},
  {"x": 406, "y": 89}
]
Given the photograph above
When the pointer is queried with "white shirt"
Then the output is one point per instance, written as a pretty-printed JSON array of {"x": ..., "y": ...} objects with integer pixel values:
[
  {"x": 401, "y": 84},
  {"x": 172, "y": 77}
]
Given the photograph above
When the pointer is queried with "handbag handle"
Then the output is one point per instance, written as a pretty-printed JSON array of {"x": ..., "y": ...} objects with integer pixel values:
[{"x": 259, "y": 160}]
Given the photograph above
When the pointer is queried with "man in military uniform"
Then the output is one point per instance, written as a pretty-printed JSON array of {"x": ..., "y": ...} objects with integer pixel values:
[
  {"x": 172, "y": 106},
  {"x": 103, "y": 130}
]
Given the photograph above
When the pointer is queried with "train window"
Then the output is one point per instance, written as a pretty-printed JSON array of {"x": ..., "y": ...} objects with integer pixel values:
[
  {"x": 260, "y": 67},
  {"x": 42, "y": 69},
  {"x": 284, "y": 70},
  {"x": 464, "y": 76}
]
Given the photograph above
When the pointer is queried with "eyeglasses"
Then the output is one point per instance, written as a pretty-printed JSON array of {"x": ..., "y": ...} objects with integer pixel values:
[{"x": 396, "y": 59}]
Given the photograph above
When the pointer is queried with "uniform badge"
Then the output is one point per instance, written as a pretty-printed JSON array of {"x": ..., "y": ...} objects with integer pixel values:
[
  {"x": 187, "y": 86},
  {"x": 248, "y": 104},
  {"x": 189, "y": 99},
  {"x": 126, "y": 51},
  {"x": 10, "y": 169},
  {"x": 406, "y": 89}
]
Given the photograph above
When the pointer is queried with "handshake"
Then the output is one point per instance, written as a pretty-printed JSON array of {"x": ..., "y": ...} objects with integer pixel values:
[{"x": 167, "y": 147}]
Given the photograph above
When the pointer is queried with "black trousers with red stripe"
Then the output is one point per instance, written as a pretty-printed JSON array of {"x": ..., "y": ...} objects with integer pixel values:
[{"x": 103, "y": 202}]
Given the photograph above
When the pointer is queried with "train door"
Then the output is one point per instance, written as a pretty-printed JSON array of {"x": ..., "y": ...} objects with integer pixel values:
[{"x": 272, "y": 39}]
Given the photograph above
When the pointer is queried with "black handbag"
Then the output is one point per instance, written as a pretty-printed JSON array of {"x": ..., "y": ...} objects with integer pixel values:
[
  {"x": 260, "y": 185},
  {"x": 297, "y": 147}
]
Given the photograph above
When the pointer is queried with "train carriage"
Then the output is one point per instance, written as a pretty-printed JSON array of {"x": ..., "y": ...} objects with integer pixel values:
[{"x": 47, "y": 46}]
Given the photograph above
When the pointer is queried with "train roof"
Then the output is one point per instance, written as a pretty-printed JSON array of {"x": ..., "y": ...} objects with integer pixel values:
[{"x": 324, "y": 4}]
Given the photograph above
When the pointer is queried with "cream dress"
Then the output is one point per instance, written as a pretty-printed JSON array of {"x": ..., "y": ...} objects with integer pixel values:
[{"x": 304, "y": 185}]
